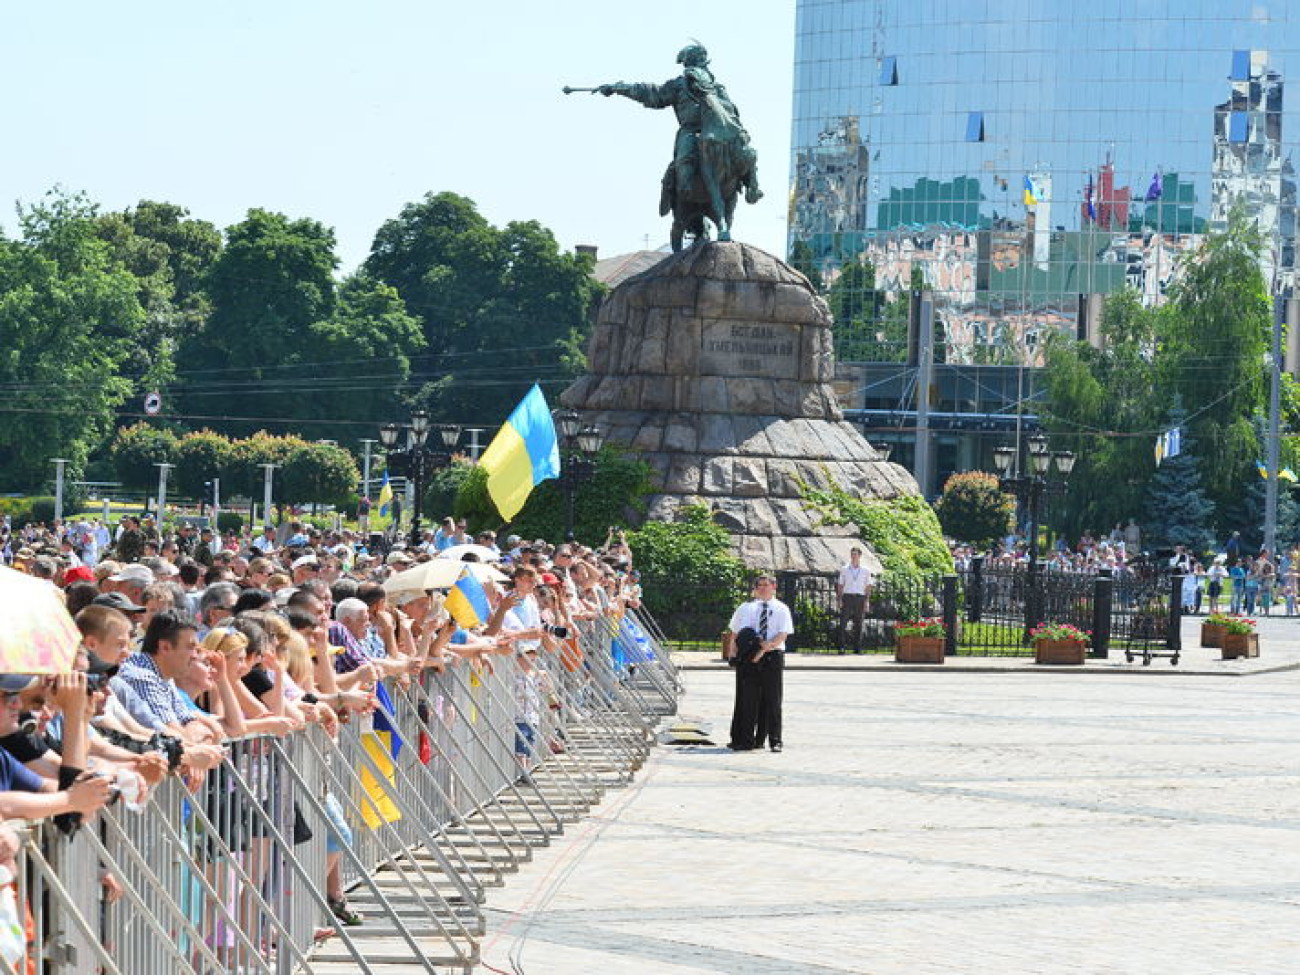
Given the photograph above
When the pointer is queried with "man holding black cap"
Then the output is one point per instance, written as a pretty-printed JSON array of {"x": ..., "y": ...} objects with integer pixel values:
[{"x": 760, "y": 675}]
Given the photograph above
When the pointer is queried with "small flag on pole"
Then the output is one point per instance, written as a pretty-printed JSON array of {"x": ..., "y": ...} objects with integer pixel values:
[
  {"x": 385, "y": 496},
  {"x": 1286, "y": 474},
  {"x": 1263, "y": 471}
]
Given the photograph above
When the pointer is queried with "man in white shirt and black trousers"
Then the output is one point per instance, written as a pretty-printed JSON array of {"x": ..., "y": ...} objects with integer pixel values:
[
  {"x": 854, "y": 589},
  {"x": 756, "y": 646}
]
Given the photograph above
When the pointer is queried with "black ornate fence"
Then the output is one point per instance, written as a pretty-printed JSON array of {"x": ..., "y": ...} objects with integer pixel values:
[{"x": 989, "y": 611}]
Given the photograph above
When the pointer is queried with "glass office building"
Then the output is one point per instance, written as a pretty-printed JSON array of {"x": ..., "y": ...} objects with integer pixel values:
[{"x": 1022, "y": 158}]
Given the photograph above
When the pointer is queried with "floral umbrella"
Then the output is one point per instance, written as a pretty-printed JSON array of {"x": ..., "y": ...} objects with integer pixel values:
[{"x": 37, "y": 636}]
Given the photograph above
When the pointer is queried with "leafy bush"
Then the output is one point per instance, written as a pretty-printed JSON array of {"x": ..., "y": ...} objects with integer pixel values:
[
  {"x": 903, "y": 532},
  {"x": 31, "y": 510},
  {"x": 443, "y": 488},
  {"x": 230, "y": 521},
  {"x": 688, "y": 561},
  {"x": 973, "y": 508},
  {"x": 135, "y": 451},
  {"x": 617, "y": 487}
]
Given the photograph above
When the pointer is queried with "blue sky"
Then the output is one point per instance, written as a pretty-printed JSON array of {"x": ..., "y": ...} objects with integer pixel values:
[{"x": 345, "y": 112}]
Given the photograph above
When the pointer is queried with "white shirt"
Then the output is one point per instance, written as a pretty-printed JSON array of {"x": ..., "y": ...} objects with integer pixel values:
[
  {"x": 779, "y": 621},
  {"x": 854, "y": 580}
]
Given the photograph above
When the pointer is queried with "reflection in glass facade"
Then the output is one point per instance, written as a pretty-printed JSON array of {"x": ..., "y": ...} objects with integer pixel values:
[{"x": 1017, "y": 156}]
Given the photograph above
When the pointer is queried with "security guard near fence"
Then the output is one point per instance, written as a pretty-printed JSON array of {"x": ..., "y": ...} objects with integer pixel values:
[{"x": 756, "y": 648}]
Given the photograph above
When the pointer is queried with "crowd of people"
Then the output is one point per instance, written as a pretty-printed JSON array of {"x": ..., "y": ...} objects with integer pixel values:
[
  {"x": 190, "y": 641},
  {"x": 1230, "y": 578}
]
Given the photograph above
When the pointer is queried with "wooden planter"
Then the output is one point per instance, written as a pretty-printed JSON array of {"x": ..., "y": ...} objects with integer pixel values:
[
  {"x": 1240, "y": 645},
  {"x": 919, "y": 650},
  {"x": 1212, "y": 634},
  {"x": 1066, "y": 652}
]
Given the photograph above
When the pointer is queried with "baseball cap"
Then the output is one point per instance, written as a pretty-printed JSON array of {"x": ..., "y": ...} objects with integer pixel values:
[
  {"x": 118, "y": 601},
  {"x": 79, "y": 573},
  {"x": 134, "y": 572},
  {"x": 16, "y": 683}
]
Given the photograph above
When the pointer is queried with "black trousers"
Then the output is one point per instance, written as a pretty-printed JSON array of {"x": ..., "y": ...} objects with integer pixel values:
[
  {"x": 771, "y": 687},
  {"x": 756, "y": 714},
  {"x": 744, "y": 711}
]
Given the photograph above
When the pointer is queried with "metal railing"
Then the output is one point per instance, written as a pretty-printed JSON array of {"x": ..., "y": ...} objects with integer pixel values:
[
  {"x": 425, "y": 806},
  {"x": 988, "y": 610}
]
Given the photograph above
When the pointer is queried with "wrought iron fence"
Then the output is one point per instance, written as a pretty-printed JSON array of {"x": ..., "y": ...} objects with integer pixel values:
[{"x": 989, "y": 610}]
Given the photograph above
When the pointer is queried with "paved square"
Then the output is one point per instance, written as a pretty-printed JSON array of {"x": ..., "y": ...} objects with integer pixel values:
[{"x": 941, "y": 822}]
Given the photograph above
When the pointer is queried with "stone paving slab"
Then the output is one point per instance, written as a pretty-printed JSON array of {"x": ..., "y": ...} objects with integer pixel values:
[
  {"x": 1279, "y": 650},
  {"x": 979, "y": 823}
]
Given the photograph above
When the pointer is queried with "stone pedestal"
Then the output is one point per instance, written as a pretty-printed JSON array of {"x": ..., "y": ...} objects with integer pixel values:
[{"x": 715, "y": 367}]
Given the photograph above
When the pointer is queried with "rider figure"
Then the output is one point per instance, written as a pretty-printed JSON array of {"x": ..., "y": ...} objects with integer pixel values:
[{"x": 692, "y": 95}]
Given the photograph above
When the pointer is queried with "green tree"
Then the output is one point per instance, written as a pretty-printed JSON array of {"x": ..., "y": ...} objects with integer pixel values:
[
  {"x": 688, "y": 569},
  {"x": 1106, "y": 405},
  {"x": 500, "y": 308},
  {"x": 1177, "y": 510},
  {"x": 868, "y": 327},
  {"x": 69, "y": 322},
  {"x": 270, "y": 284},
  {"x": 973, "y": 508},
  {"x": 244, "y": 473},
  {"x": 168, "y": 253},
  {"x": 320, "y": 472},
  {"x": 286, "y": 343},
  {"x": 199, "y": 458},
  {"x": 137, "y": 449},
  {"x": 1215, "y": 337}
]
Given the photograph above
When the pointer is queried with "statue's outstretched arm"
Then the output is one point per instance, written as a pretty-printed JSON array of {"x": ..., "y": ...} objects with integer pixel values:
[{"x": 651, "y": 96}]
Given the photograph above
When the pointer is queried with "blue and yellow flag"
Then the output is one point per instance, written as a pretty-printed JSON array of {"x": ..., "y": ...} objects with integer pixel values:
[
  {"x": 385, "y": 496},
  {"x": 383, "y": 745},
  {"x": 524, "y": 453},
  {"x": 1031, "y": 198},
  {"x": 467, "y": 602}
]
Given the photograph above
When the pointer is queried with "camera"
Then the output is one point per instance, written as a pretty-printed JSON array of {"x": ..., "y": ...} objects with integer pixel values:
[{"x": 559, "y": 632}]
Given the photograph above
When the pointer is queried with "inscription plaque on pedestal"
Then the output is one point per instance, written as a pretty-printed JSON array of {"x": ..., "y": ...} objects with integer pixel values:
[{"x": 767, "y": 350}]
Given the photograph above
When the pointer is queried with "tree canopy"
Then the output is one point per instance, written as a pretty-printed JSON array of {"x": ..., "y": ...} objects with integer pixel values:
[{"x": 500, "y": 308}]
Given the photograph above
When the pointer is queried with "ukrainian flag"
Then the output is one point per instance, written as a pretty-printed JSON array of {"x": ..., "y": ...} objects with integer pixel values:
[
  {"x": 524, "y": 453},
  {"x": 385, "y": 496},
  {"x": 383, "y": 745},
  {"x": 1031, "y": 198},
  {"x": 467, "y": 602}
]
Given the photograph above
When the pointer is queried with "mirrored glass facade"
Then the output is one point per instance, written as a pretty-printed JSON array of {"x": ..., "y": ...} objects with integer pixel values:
[{"x": 1018, "y": 156}]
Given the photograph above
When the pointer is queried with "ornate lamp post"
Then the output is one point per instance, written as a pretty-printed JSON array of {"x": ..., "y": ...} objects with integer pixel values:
[
  {"x": 416, "y": 461},
  {"x": 1030, "y": 489},
  {"x": 579, "y": 446}
]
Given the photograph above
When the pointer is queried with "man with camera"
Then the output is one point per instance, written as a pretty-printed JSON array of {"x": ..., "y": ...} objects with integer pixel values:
[{"x": 755, "y": 646}]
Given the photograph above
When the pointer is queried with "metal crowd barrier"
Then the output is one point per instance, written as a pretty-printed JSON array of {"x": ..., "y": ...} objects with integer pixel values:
[{"x": 443, "y": 795}]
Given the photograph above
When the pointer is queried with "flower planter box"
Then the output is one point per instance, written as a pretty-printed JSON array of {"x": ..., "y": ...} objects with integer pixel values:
[
  {"x": 1240, "y": 645},
  {"x": 919, "y": 650},
  {"x": 1212, "y": 634},
  {"x": 1063, "y": 652}
]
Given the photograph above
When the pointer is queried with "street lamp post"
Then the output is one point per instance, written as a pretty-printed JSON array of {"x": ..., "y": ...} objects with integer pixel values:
[
  {"x": 579, "y": 446},
  {"x": 1031, "y": 488},
  {"x": 416, "y": 461}
]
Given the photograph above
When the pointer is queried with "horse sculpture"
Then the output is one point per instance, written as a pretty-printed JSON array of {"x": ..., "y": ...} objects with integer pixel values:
[{"x": 712, "y": 159}]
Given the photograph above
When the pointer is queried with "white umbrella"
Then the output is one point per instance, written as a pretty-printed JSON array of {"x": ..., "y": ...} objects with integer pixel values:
[
  {"x": 483, "y": 553},
  {"x": 434, "y": 574}
]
